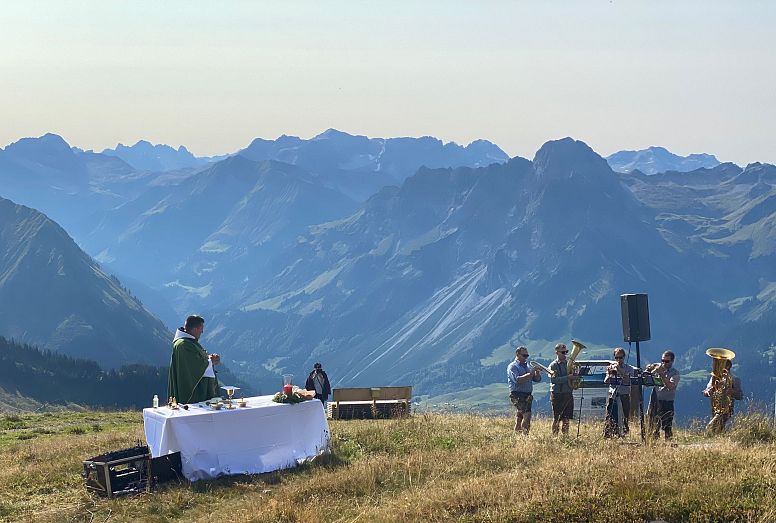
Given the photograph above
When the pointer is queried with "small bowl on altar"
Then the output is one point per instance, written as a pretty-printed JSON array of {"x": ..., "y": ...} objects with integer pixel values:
[
  {"x": 216, "y": 406},
  {"x": 242, "y": 403}
]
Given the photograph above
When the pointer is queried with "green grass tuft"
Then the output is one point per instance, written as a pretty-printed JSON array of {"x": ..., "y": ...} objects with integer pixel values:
[{"x": 753, "y": 429}]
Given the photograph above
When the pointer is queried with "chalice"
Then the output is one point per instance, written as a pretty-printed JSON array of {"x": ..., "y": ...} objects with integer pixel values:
[{"x": 230, "y": 392}]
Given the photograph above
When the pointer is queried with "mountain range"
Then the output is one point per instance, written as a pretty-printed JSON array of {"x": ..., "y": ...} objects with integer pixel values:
[
  {"x": 457, "y": 264},
  {"x": 411, "y": 261},
  {"x": 145, "y": 156},
  {"x": 655, "y": 160}
]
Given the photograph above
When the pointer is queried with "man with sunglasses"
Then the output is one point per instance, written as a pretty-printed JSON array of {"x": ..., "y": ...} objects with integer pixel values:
[
  {"x": 521, "y": 379},
  {"x": 618, "y": 376},
  {"x": 661, "y": 405},
  {"x": 561, "y": 394}
]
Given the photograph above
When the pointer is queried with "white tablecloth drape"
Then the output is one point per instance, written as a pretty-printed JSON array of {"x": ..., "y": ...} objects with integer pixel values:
[{"x": 262, "y": 437}]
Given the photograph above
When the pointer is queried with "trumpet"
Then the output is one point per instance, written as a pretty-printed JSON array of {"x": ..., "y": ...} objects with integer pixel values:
[
  {"x": 656, "y": 368},
  {"x": 537, "y": 365},
  {"x": 614, "y": 370}
]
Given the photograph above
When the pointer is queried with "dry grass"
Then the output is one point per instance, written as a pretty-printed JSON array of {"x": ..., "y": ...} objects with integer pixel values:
[{"x": 426, "y": 468}]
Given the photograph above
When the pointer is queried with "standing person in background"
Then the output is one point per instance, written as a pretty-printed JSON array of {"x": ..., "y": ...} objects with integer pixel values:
[
  {"x": 319, "y": 382},
  {"x": 719, "y": 421},
  {"x": 661, "y": 406},
  {"x": 561, "y": 394},
  {"x": 618, "y": 376},
  {"x": 521, "y": 379},
  {"x": 191, "y": 378}
]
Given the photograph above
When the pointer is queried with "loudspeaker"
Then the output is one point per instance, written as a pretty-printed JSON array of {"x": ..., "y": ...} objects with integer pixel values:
[{"x": 635, "y": 317}]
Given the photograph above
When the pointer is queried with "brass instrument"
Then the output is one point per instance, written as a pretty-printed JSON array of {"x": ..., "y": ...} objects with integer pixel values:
[
  {"x": 572, "y": 368},
  {"x": 658, "y": 372},
  {"x": 721, "y": 381},
  {"x": 537, "y": 365}
]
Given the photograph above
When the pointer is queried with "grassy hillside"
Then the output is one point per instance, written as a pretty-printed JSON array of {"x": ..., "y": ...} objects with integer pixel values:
[
  {"x": 33, "y": 379},
  {"x": 427, "y": 468}
]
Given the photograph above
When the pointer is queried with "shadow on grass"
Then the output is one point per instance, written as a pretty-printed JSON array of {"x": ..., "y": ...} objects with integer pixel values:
[{"x": 330, "y": 460}]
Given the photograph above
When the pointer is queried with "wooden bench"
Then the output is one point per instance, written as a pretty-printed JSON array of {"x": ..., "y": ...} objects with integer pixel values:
[{"x": 370, "y": 402}]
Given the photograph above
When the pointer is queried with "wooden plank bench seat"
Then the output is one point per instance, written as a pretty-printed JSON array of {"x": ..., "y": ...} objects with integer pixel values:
[{"x": 370, "y": 402}]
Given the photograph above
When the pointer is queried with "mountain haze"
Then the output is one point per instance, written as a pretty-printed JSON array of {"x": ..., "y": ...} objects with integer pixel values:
[
  {"x": 359, "y": 166},
  {"x": 55, "y": 296},
  {"x": 456, "y": 264},
  {"x": 411, "y": 261},
  {"x": 204, "y": 237},
  {"x": 145, "y": 156}
]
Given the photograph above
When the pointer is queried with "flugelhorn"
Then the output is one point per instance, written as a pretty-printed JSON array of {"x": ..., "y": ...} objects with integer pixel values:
[{"x": 537, "y": 365}]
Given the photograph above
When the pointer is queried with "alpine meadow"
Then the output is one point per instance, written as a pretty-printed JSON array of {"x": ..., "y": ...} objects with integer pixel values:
[{"x": 392, "y": 261}]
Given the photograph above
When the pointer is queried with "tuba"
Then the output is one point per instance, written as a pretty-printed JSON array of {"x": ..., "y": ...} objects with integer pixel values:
[
  {"x": 571, "y": 365},
  {"x": 721, "y": 381}
]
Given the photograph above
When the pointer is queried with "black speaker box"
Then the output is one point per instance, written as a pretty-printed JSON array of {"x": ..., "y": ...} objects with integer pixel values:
[
  {"x": 166, "y": 468},
  {"x": 635, "y": 317}
]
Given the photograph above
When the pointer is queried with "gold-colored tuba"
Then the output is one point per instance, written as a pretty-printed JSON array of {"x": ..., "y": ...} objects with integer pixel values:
[
  {"x": 721, "y": 381},
  {"x": 572, "y": 368}
]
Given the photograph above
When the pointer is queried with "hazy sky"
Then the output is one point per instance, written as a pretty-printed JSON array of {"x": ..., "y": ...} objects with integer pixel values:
[{"x": 691, "y": 76}]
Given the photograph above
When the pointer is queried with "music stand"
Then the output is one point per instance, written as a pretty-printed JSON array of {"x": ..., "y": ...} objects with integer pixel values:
[{"x": 641, "y": 393}]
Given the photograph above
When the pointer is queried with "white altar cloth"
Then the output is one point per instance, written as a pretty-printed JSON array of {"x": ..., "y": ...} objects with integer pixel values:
[{"x": 262, "y": 437}]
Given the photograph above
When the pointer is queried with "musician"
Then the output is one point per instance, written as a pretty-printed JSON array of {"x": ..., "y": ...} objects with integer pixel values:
[
  {"x": 718, "y": 423},
  {"x": 521, "y": 379},
  {"x": 661, "y": 404},
  {"x": 561, "y": 393},
  {"x": 619, "y": 394}
]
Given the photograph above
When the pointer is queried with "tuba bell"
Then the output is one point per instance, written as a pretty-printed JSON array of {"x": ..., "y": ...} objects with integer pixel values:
[
  {"x": 572, "y": 368},
  {"x": 721, "y": 380}
]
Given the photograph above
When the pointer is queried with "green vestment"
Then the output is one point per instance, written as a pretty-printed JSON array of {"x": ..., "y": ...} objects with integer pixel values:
[{"x": 187, "y": 366}]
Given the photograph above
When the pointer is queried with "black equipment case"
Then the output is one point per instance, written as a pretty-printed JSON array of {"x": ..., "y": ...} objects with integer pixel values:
[
  {"x": 116, "y": 473},
  {"x": 129, "y": 471}
]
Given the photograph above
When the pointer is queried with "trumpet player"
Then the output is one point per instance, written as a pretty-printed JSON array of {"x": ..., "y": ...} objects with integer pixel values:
[
  {"x": 618, "y": 376},
  {"x": 521, "y": 379},
  {"x": 661, "y": 404},
  {"x": 561, "y": 395}
]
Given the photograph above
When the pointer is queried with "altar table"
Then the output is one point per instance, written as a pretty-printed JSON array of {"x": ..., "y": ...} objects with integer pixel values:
[{"x": 261, "y": 437}]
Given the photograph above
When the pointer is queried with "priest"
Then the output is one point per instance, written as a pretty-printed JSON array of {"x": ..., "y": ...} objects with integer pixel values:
[{"x": 192, "y": 378}]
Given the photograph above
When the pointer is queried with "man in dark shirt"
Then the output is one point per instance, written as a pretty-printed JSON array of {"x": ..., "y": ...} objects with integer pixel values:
[{"x": 561, "y": 393}]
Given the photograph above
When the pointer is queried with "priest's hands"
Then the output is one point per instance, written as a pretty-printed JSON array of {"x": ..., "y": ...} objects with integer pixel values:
[{"x": 215, "y": 358}]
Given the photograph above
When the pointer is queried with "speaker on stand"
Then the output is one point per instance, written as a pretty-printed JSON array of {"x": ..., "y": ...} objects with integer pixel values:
[{"x": 635, "y": 327}]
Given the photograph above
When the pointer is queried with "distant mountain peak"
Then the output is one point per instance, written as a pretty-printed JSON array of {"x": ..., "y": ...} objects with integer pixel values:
[
  {"x": 656, "y": 159},
  {"x": 145, "y": 156},
  {"x": 566, "y": 158},
  {"x": 49, "y": 141},
  {"x": 332, "y": 133}
]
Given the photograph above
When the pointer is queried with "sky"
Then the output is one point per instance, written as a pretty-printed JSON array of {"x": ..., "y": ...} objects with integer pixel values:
[{"x": 690, "y": 76}]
